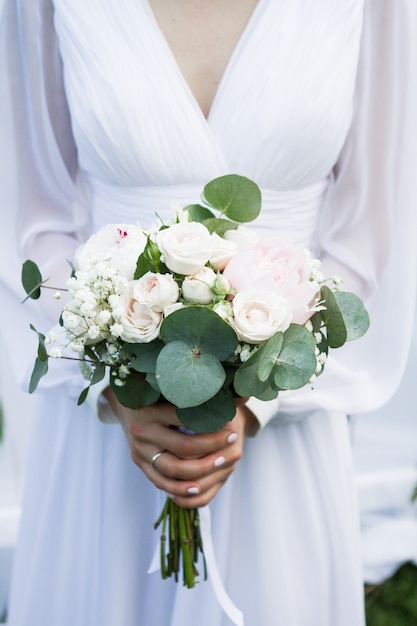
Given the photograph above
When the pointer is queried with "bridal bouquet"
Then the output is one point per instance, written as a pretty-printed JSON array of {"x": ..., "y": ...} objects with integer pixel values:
[{"x": 198, "y": 311}]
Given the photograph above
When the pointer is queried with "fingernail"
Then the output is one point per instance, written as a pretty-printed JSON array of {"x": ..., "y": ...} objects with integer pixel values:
[
  {"x": 219, "y": 461},
  {"x": 232, "y": 438},
  {"x": 193, "y": 491}
]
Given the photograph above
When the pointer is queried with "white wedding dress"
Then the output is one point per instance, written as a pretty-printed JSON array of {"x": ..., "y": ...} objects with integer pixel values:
[{"x": 316, "y": 105}]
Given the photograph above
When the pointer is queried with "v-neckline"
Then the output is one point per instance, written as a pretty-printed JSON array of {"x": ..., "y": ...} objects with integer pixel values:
[{"x": 240, "y": 44}]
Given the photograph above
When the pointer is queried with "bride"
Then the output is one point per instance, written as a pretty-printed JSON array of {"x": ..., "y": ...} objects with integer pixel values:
[{"x": 109, "y": 113}]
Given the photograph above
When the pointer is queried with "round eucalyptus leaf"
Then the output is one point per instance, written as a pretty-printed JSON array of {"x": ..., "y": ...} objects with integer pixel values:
[
  {"x": 247, "y": 383},
  {"x": 269, "y": 355},
  {"x": 146, "y": 355},
  {"x": 355, "y": 316},
  {"x": 235, "y": 196},
  {"x": 296, "y": 365},
  {"x": 220, "y": 226},
  {"x": 198, "y": 213},
  {"x": 332, "y": 316},
  {"x": 187, "y": 377},
  {"x": 297, "y": 333},
  {"x": 135, "y": 393},
  {"x": 202, "y": 330},
  {"x": 209, "y": 416}
]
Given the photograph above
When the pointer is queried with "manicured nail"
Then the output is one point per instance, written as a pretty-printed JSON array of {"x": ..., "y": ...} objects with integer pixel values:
[
  {"x": 193, "y": 491},
  {"x": 232, "y": 438},
  {"x": 219, "y": 461}
]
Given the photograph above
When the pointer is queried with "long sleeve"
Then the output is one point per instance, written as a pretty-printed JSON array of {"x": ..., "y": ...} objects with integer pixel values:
[
  {"x": 372, "y": 232},
  {"x": 42, "y": 206},
  {"x": 368, "y": 230}
]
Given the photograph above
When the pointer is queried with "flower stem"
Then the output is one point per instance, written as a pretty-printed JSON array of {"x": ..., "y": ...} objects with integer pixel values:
[{"x": 181, "y": 529}]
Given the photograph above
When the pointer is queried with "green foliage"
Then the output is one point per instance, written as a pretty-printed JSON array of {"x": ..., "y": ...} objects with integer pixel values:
[
  {"x": 211, "y": 415},
  {"x": 355, "y": 316},
  {"x": 247, "y": 382},
  {"x": 201, "y": 329},
  {"x": 198, "y": 213},
  {"x": 394, "y": 603},
  {"x": 189, "y": 371},
  {"x": 236, "y": 197},
  {"x": 286, "y": 361},
  {"x": 219, "y": 226},
  {"x": 31, "y": 280},
  {"x": 41, "y": 363},
  {"x": 135, "y": 392},
  {"x": 187, "y": 376},
  {"x": 344, "y": 316}
]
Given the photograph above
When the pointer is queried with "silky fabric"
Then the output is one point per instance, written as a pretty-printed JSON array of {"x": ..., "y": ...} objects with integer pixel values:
[{"x": 316, "y": 105}]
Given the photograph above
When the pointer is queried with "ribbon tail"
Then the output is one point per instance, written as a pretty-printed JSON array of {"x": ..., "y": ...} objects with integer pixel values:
[{"x": 213, "y": 573}]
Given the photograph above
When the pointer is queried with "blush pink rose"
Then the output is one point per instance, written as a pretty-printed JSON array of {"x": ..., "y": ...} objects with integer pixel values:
[{"x": 278, "y": 266}]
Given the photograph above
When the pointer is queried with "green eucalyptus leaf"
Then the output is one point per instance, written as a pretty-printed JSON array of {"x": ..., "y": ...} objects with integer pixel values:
[
  {"x": 83, "y": 396},
  {"x": 235, "y": 196},
  {"x": 39, "y": 370},
  {"x": 316, "y": 321},
  {"x": 98, "y": 374},
  {"x": 198, "y": 213},
  {"x": 202, "y": 330},
  {"x": 135, "y": 393},
  {"x": 146, "y": 355},
  {"x": 220, "y": 226},
  {"x": 247, "y": 383},
  {"x": 355, "y": 315},
  {"x": 211, "y": 415},
  {"x": 187, "y": 377},
  {"x": 42, "y": 351},
  {"x": 295, "y": 366},
  {"x": 296, "y": 362},
  {"x": 296, "y": 333},
  {"x": 151, "y": 379},
  {"x": 269, "y": 355},
  {"x": 31, "y": 280},
  {"x": 333, "y": 318}
]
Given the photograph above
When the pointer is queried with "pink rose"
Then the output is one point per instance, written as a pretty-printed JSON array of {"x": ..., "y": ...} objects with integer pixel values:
[{"x": 277, "y": 266}]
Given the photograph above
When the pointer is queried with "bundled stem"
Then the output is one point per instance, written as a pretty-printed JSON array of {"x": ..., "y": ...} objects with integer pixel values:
[{"x": 184, "y": 543}]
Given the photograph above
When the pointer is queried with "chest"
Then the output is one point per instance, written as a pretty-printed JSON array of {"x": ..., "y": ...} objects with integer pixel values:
[
  {"x": 142, "y": 112},
  {"x": 202, "y": 36}
]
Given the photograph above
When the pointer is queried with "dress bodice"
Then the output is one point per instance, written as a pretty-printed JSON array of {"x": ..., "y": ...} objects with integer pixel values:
[{"x": 280, "y": 115}]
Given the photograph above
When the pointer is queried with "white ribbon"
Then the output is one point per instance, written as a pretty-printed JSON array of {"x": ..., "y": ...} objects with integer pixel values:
[{"x": 212, "y": 570}]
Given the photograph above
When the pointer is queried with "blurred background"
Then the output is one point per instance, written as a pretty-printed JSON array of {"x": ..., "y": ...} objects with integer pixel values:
[{"x": 385, "y": 453}]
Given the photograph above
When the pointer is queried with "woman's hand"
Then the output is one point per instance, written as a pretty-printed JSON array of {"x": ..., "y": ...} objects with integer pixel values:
[{"x": 192, "y": 468}]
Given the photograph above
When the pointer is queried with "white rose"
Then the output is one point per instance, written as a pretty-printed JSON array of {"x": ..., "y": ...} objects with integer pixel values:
[
  {"x": 242, "y": 237},
  {"x": 186, "y": 247},
  {"x": 139, "y": 322},
  {"x": 156, "y": 290},
  {"x": 119, "y": 244},
  {"x": 258, "y": 315},
  {"x": 223, "y": 250},
  {"x": 198, "y": 287},
  {"x": 173, "y": 307}
]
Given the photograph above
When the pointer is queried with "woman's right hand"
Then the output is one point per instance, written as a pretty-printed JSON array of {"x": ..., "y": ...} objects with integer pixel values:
[{"x": 192, "y": 468}]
